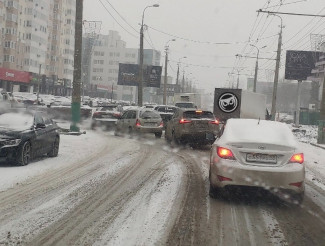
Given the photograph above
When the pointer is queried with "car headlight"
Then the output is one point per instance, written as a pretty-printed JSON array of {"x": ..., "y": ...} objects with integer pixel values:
[{"x": 11, "y": 142}]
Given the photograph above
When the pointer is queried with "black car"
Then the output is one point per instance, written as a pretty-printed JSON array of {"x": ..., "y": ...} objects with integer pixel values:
[
  {"x": 166, "y": 112},
  {"x": 24, "y": 136}
]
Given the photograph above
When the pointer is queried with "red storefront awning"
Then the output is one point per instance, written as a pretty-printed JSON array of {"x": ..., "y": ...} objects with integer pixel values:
[{"x": 14, "y": 75}]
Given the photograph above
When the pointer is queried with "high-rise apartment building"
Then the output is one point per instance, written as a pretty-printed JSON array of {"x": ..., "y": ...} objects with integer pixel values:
[
  {"x": 37, "y": 45},
  {"x": 106, "y": 54}
]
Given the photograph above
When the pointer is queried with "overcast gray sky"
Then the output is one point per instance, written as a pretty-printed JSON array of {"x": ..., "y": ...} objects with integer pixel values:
[{"x": 212, "y": 21}]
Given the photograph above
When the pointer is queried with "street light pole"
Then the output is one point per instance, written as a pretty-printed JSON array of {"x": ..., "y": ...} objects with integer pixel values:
[
  {"x": 277, "y": 68},
  {"x": 179, "y": 61},
  {"x": 140, "y": 86},
  {"x": 256, "y": 66},
  {"x": 165, "y": 78}
]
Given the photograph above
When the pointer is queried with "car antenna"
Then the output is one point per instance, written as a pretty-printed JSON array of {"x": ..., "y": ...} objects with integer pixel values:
[{"x": 259, "y": 119}]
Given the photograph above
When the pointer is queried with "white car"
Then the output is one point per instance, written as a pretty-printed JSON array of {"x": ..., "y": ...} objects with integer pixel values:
[{"x": 257, "y": 153}]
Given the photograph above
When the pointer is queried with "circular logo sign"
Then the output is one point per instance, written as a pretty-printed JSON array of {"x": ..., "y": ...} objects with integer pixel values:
[{"x": 228, "y": 102}]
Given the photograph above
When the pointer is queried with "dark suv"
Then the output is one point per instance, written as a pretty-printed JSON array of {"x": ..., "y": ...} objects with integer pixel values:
[{"x": 196, "y": 127}]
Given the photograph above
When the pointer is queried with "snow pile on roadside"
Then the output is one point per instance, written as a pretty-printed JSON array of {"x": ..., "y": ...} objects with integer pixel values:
[
  {"x": 72, "y": 149},
  {"x": 306, "y": 133}
]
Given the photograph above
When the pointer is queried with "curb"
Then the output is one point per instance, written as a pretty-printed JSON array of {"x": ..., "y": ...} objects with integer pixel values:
[
  {"x": 68, "y": 132},
  {"x": 316, "y": 145}
]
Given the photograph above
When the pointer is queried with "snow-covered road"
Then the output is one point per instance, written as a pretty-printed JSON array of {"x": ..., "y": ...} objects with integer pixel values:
[{"x": 107, "y": 190}]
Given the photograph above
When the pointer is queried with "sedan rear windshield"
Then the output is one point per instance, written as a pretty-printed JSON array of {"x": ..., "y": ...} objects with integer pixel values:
[
  {"x": 198, "y": 115},
  {"x": 149, "y": 114}
]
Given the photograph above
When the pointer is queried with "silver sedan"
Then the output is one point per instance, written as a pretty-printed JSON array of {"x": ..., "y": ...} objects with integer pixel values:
[{"x": 257, "y": 153}]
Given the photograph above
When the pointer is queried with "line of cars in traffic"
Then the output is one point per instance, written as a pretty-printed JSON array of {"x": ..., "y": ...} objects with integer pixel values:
[
  {"x": 244, "y": 152},
  {"x": 181, "y": 125}
]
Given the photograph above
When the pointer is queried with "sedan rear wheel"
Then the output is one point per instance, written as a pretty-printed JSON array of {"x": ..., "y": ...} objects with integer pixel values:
[
  {"x": 174, "y": 140},
  {"x": 24, "y": 155}
]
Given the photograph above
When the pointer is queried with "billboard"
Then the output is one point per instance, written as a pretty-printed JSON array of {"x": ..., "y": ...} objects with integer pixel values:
[
  {"x": 300, "y": 63},
  {"x": 129, "y": 75},
  {"x": 171, "y": 89}
]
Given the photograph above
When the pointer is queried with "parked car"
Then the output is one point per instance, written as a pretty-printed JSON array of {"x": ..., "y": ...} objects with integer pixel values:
[
  {"x": 166, "y": 112},
  {"x": 257, "y": 153},
  {"x": 24, "y": 136},
  {"x": 140, "y": 120},
  {"x": 195, "y": 127},
  {"x": 106, "y": 116},
  {"x": 149, "y": 105}
]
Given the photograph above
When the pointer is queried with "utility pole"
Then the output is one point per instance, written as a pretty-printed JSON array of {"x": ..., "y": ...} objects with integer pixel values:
[
  {"x": 298, "y": 103},
  {"x": 112, "y": 92},
  {"x": 256, "y": 66},
  {"x": 177, "y": 78},
  {"x": 75, "y": 105},
  {"x": 183, "y": 82},
  {"x": 276, "y": 76},
  {"x": 322, "y": 104},
  {"x": 165, "y": 78},
  {"x": 140, "y": 86},
  {"x": 39, "y": 82},
  {"x": 177, "y": 74}
]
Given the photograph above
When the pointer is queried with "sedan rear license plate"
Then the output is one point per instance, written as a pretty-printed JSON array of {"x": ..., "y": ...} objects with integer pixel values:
[
  {"x": 209, "y": 136},
  {"x": 263, "y": 158}
]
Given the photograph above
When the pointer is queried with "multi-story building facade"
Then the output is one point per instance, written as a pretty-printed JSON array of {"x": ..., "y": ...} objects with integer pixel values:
[
  {"x": 107, "y": 52},
  {"x": 37, "y": 45}
]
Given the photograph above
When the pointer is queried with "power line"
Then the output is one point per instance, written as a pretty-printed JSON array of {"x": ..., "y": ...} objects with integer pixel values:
[
  {"x": 116, "y": 20},
  {"x": 203, "y": 66},
  {"x": 122, "y": 17},
  {"x": 195, "y": 41},
  {"x": 152, "y": 45},
  {"x": 287, "y": 13},
  {"x": 285, "y": 4}
]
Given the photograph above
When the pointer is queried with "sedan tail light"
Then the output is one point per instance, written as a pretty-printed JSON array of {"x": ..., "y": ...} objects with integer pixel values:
[
  {"x": 215, "y": 122},
  {"x": 96, "y": 114},
  {"x": 137, "y": 122},
  {"x": 225, "y": 153},
  {"x": 297, "y": 158},
  {"x": 184, "y": 121}
]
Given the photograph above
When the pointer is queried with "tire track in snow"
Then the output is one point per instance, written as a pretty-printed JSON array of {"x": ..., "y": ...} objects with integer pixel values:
[
  {"x": 41, "y": 203},
  {"x": 273, "y": 229}
]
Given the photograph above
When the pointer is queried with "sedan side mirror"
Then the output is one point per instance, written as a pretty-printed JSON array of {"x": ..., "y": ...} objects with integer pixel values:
[{"x": 40, "y": 126}]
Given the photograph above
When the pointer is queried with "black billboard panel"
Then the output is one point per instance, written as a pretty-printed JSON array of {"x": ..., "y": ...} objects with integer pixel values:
[
  {"x": 300, "y": 63},
  {"x": 152, "y": 76},
  {"x": 129, "y": 75}
]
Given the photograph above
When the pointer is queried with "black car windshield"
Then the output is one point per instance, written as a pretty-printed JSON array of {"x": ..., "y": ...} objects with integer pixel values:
[
  {"x": 166, "y": 109},
  {"x": 16, "y": 121},
  {"x": 185, "y": 105},
  {"x": 149, "y": 114},
  {"x": 198, "y": 114}
]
